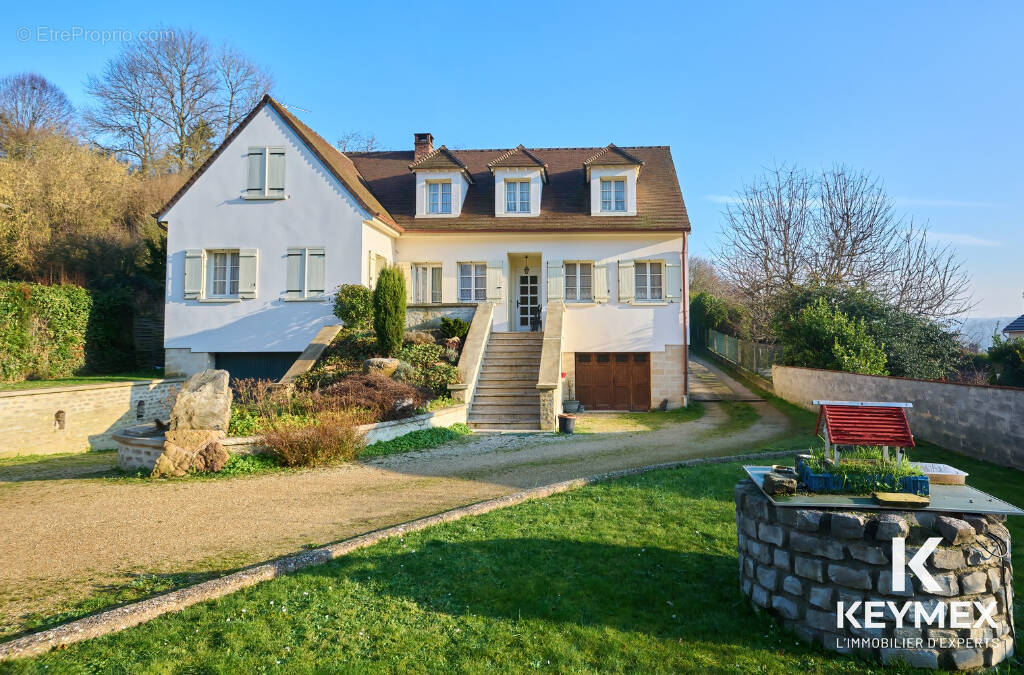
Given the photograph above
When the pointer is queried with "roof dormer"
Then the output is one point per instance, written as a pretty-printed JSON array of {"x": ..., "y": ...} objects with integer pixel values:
[
  {"x": 519, "y": 178},
  {"x": 612, "y": 174},
  {"x": 442, "y": 180}
]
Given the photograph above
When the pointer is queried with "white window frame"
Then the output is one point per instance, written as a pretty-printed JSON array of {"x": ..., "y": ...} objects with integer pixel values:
[
  {"x": 211, "y": 256},
  {"x": 306, "y": 293},
  {"x": 573, "y": 285},
  {"x": 613, "y": 202},
  {"x": 431, "y": 295},
  {"x": 477, "y": 290},
  {"x": 518, "y": 201},
  {"x": 644, "y": 292},
  {"x": 440, "y": 197}
]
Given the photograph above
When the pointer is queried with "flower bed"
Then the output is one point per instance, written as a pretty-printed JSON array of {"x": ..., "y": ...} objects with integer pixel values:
[{"x": 866, "y": 471}]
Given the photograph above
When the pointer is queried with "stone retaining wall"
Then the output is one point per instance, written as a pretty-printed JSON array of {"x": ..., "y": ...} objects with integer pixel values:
[
  {"x": 428, "y": 317},
  {"x": 78, "y": 418},
  {"x": 799, "y": 564},
  {"x": 976, "y": 420}
]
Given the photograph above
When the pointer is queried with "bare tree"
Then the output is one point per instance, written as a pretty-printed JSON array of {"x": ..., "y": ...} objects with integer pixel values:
[
  {"x": 29, "y": 103},
  {"x": 353, "y": 141},
  {"x": 837, "y": 227},
  {"x": 242, "y": 82}
]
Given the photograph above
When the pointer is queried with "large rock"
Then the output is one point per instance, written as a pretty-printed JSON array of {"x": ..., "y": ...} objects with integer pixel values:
[
  {"x": 204, "y": 402},
  {"x": 385, "y": 367},
  {"x": 190, "y": 449}
]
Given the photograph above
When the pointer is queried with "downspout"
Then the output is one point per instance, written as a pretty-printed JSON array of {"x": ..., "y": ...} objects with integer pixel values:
[{"x": 686, "y": 319}]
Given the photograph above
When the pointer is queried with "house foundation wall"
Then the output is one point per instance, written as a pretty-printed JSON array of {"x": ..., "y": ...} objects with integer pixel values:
[{"x": 185, "y": 362}]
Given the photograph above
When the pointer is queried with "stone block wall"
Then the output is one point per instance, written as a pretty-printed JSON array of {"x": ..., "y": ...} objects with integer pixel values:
[
  {"x": 976, "y": 420},
  {"x": 799, "y": 564},
  {"x": 75, "y": 419},
  {"x": 428, "y": 317},
  {"x": 186, "y": 362},
  {"x": 667, "y": 377}
]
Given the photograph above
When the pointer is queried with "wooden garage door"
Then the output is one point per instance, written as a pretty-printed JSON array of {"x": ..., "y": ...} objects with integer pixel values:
[{"x": 614, "y": 380}]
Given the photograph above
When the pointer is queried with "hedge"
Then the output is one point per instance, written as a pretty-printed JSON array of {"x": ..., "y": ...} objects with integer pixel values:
[{"x": 42, "y": 330}]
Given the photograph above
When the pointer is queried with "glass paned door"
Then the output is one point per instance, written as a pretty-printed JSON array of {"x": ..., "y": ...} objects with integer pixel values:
[{"x": 528, "y": 304}]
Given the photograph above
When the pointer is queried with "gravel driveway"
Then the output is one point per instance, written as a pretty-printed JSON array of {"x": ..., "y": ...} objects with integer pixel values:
[{"x": 64, "y": 538}]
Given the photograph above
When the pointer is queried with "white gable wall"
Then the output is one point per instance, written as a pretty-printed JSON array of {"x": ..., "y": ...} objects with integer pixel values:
[{"x": 318, "y": 211}]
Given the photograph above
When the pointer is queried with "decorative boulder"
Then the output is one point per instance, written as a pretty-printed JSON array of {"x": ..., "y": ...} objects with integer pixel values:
[
  {"x": 190, "y": 449},
  {"x": 204, "y": 402},
  {"x": 385, "y": 367}
]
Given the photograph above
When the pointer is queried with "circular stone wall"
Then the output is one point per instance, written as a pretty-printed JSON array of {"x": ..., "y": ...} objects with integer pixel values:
[{"x": 827, "y": 575}]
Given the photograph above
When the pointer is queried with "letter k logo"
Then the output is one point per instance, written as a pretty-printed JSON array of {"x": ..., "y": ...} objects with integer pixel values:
[{"x": 899, "y": 564}]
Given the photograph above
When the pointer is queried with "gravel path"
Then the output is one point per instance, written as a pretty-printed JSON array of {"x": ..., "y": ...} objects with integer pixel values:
[{"x": 62, "y": 539}]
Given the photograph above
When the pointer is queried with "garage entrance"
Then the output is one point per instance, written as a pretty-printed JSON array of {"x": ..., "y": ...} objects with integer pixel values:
[{"x": 614, "y": 380}]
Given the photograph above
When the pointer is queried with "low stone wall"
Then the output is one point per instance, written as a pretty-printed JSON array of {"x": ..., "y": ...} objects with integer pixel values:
[
  {"x": 428, "y": 316},
  {"x": 800, "y": 564},
  {"x": 979, "y": 421},
  {"x": 139, "y": 453},
  {"x": 78, "y": 418}
]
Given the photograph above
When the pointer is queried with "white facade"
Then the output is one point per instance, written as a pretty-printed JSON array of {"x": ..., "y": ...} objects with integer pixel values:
[{"x": 213, "y": 214}]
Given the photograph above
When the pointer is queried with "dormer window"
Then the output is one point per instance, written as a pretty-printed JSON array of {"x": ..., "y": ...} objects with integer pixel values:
[
  {"x": 613, "y": 194},
  {"x": 439, "y": 197},
  {"x": 517, "y": 196}
]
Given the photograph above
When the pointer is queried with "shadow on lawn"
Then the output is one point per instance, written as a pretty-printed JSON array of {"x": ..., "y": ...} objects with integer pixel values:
[{"x": 669, "y": 594}]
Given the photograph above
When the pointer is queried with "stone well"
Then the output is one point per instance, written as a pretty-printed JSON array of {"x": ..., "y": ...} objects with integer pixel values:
[{"x": 799, "y": 564}]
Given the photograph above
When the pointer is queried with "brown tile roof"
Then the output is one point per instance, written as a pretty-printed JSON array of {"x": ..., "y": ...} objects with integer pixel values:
[
  {"x": 517, "y": 156},
  {"x": 336, "y": 162},
  {"x": 565, "y": 201},
  {"x": 441, "y": 158},
  {"x": 612, "y": 155}
]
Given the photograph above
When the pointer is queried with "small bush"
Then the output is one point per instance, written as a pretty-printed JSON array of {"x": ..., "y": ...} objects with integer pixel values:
[
  {"x": 418, "y": 337},
  {"x": 451, "y": 354},
  {"x": 42, "y": 330},
  {"x": 344, "y": 355},
  {"x": 405, "y": 372},
  {"x": 431, "y": 370},
  {"x": 353, "y": 304},
  {"x": 389, "y": 311},
  {"x": 381, "y": 397},
  {"x": 454, "y": 328},
  {"x": 1007, "y": 359},
  {"x": 821, "y": 336},
  {"x": 330, "y": 439}
]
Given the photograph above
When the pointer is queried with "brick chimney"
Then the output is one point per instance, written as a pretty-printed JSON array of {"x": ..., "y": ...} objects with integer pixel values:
[{"x": 424, "y": 146}]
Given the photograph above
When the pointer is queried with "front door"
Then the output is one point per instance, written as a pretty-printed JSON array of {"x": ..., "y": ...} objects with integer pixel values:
[{"x": 528, "y": 303}]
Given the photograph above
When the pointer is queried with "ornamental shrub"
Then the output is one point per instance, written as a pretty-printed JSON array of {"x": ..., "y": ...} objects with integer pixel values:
[
  {"x": 821, "y": 336},
  {"x": 430, "y": 370},
  {"x": 353, "y": 304},
  {"x": 455, "y": 327},
  {"x": 389, "y": 311},
  {"x": 42, "y": 330},
  {"x": 1007, "y": 361}
]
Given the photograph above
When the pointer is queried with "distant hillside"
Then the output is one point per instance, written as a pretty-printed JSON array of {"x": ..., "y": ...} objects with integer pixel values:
[{"x": 980, "y": 330}]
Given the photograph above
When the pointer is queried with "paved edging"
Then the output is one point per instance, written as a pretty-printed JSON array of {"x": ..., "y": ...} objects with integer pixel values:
[{"x": 120, "y": 618}]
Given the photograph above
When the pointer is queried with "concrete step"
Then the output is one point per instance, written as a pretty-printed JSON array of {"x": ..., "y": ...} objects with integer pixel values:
[
  {"x": 506, "y": 393},
  {"x": 528, "y": 340},
  {"x": 509, "y": 429},
  {"x": 501, "y": 348},
  {"x": 504, "y": 408},
  {"x": 508, "y": 373},
  {"x": 533, "y": 361},
  {"x": 503, "y": 419}
]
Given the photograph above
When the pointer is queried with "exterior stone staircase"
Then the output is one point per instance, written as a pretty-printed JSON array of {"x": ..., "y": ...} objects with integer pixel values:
[{"x": 506, "y": 396}]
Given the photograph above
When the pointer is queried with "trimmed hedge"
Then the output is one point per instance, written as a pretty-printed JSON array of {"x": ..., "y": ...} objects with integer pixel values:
[{"x": 42, "y": 330}]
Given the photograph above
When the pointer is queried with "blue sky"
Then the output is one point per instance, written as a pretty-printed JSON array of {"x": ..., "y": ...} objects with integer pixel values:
[{"x": 927, "y": 95}]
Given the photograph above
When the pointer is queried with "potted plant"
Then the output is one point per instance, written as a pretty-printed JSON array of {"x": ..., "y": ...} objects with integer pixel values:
[
  {"x": 570, "y": 405},
  {"x": 566, "y": 423}
]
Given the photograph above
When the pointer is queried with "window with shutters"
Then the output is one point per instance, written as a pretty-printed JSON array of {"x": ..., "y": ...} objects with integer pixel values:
[
  {"x": 613, "y": 194},
  {"x": 304, "y": 274},
  {"x": 650, "y": 283},
  {"x": 439, "y": 196},
  {"x": 472, "y": 282},
  {"x": 426, "y": 283},
  {"x": 222, "y": 274},
  {"x": 517, "y": 196},
  {"x": 579, "y": 278},
  {"x": 265, "y": 173}
]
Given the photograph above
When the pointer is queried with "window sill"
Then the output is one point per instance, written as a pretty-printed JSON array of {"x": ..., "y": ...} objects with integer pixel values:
[
  {"x": 264, "y": 198},
  {"x": 319, "y": 298},
  {"x": 219, "y": 300},
  {"x": 581, "y": 303},
  {"x": 437, "y": 215},
  {"x": 652, "y": 303}
]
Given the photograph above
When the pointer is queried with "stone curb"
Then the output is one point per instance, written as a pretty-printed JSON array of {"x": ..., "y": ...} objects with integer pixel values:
[{"x": 133, "y": 614}]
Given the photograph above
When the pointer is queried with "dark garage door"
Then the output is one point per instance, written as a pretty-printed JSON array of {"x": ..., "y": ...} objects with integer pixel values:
[
  {"x": 614, "y": 380},
  {"x": 258, "y": 365}
]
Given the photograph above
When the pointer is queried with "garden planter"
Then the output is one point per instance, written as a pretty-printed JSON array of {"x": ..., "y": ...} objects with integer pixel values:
[
  {"x": 566, "y": 424},
  {"x": 827, "y": 482},
  {"x": 570, "y": 406}
]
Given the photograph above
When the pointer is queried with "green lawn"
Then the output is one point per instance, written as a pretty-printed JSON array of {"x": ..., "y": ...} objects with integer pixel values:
[
  {"x": 635, "y": 575},
  {"x": 83, "y": 379}
]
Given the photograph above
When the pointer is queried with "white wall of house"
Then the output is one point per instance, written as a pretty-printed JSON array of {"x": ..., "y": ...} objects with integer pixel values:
[
  {"x": 213, "y": 213},
  {"x": 627, "y": 173},
  {"x": 611, "y": 326},
  {"x": 459, "y": 187},
  {"x": 517, "y": 174}
]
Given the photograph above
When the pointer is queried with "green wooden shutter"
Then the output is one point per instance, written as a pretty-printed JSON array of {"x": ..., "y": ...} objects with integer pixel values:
[
  {"x": 248, "y": 272},
  {"x": 295, "y": 273},
  {"x": 257, "y": 173},
  {"x": 600, "y": 281},
  {"x": 406, "y": 270},
  {"x": 316, "y": 264},
  {"x": 556, "y": 280},
  {"x": 435, "y": 284},
  {"x": 194, "y": 266},
  {"x": 275, "y": 172},
  {"x": 495, "y": 276},
  {"x": 627, "y": 282},
  {"x": 673, "y": 282}
]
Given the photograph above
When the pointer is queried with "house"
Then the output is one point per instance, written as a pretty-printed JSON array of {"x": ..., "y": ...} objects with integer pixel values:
[
  {"x": 1015, "y": 329},
  {"x": 576, "y": 255}
]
